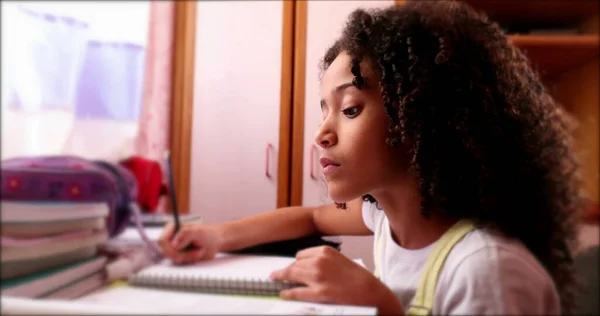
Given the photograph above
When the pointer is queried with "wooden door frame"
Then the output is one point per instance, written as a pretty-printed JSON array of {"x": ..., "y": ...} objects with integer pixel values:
[
  {"x": 298, "y": 106},
  {"x": 182, "y": 99},
  {"x": 286, "y": 104}
]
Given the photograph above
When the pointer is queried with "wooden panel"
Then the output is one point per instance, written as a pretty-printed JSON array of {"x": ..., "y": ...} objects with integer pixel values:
[
  {"x": 577, "y": 90},
  {"x": 299, "y": 95},
  {"x": 590, "y": 26},
  {"x": 554, "y": 54},
  {"x": 536, "y": 12},
  {"x": 285, "y": 115},
  {"x": 182, "y": 100}
]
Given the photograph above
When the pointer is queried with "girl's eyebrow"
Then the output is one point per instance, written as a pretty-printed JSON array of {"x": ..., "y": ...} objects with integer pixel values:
[
  {"x": 343, "y": 86},
  {"x": 338, "y": 89}
]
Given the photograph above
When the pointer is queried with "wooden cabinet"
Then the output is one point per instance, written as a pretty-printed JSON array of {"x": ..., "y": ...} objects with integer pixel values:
[{"x": 236, "y": 109}]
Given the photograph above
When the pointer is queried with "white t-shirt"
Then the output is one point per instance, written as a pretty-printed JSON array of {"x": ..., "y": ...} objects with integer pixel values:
[{"x": 485, "y": 273}]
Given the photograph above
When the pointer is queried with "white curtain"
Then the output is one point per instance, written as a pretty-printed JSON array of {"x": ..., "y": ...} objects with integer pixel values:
[{"x": 72, "y": 77}]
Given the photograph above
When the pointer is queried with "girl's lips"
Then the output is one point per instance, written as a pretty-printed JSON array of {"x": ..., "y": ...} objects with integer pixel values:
[
  {"x": 329, "y": 168},
  {"x": 328, "y": 165},
  {"x": 326, "y": 161}
]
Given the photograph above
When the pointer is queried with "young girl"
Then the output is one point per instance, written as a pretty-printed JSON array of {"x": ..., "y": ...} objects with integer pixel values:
[{"x": 430, "y": 116}]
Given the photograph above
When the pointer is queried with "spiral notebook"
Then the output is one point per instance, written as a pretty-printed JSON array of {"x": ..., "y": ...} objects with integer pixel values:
[{"x": 225, "y": 274}]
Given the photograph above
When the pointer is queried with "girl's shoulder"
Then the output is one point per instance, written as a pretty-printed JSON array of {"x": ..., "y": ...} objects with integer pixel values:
[
  {"x": 489, "y": 240},
  {"x": 491, "y": 248},
  {"x": 497, "y": 274}
]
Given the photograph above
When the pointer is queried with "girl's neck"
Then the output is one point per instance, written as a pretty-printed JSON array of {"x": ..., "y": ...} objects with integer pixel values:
[{"x": 401, "y": 203}]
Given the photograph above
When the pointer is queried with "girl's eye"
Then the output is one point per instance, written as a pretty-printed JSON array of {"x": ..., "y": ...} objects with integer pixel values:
[{"x": 351, "y": 112}]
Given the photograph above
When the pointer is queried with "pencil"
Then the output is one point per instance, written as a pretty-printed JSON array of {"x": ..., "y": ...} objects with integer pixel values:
[{"x": 172, "y": 195}]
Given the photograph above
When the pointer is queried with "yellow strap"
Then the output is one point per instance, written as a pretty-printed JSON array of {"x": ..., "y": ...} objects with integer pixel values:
[{"x": 424, "y": 296}]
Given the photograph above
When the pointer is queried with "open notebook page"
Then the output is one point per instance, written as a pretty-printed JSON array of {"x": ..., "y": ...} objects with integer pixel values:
[
  {"x": 141, "y": 301},
  {"x": 225, "y": 266}
]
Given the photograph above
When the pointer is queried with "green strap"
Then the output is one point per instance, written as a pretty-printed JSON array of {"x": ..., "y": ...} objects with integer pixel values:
[{"x": 424, "y": 296}]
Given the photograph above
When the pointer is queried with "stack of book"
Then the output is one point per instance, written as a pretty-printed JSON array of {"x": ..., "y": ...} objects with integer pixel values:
[{"x": 50, "y": 250}]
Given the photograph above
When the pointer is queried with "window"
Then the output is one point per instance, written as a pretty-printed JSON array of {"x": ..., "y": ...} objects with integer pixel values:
[{"x": 72, "y": 77}]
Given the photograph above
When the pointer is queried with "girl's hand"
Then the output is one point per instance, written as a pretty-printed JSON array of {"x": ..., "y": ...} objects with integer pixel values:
[
  {"x": 331, "y": 277},
  {"x": 205, "y": 242}
]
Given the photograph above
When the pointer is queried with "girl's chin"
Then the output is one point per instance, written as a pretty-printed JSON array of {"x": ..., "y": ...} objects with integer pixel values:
[{"x": 341, "y": 195}]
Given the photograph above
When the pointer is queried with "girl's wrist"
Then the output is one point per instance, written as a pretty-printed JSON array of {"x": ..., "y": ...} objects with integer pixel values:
[{"x": 221, "y": 236}]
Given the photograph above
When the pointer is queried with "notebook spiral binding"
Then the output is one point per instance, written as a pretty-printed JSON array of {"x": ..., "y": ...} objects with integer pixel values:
[{"x": 200, "y": 283}]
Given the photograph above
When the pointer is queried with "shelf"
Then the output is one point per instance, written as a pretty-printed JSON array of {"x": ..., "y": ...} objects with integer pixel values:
[
  {"x": 592, "y": 215},
  {"x": 537, "y": 12},
  {"x": 553, "y": 54}
]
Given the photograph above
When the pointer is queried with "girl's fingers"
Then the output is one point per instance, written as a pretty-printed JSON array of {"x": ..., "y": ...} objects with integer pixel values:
[
  {"x": 190, "y": 256},
  {"x": 307, "y": 294},
  {"x": 168, "y": 251},
  {"x": 183, "y": 238},
  {"x": 165, "y": 241},
  {"x": 166, "y": 235},
  {"x": 316, "y": 252},
  {"x": 296, "y": 272}
]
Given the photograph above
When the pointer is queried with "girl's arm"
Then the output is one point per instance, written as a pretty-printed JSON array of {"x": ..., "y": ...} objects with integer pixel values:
[{"x": 291, "y": 223}]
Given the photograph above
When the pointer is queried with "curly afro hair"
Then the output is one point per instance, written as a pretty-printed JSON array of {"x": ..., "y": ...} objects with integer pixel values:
[{"x": 487, "y": 141}]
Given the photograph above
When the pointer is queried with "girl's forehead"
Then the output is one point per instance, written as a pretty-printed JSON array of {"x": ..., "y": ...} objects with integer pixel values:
[
  {"x": 339, "y": 72},
  {"x": 338, "y": 77},
  {"x": 340, "y": 67},
  {"x": 336, "y": 74}
]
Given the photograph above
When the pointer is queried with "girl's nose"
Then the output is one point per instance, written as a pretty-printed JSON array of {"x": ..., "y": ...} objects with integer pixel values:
[{"x": 325, "y": 136}]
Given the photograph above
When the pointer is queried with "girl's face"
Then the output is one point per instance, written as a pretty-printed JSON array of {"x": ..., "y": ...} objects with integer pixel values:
[{"x": 356, "y": 159}]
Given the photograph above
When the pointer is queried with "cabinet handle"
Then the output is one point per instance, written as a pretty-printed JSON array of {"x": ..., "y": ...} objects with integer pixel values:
[
  {"x": 268, "y": 162},
  {"x": 313, "y": 150}
]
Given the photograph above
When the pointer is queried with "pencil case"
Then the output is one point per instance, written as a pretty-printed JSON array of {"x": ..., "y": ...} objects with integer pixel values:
[{"x": 72, "y": 179}]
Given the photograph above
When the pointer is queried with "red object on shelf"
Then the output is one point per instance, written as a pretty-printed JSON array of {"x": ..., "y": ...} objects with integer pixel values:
[{"x": 149, "y": 176}]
